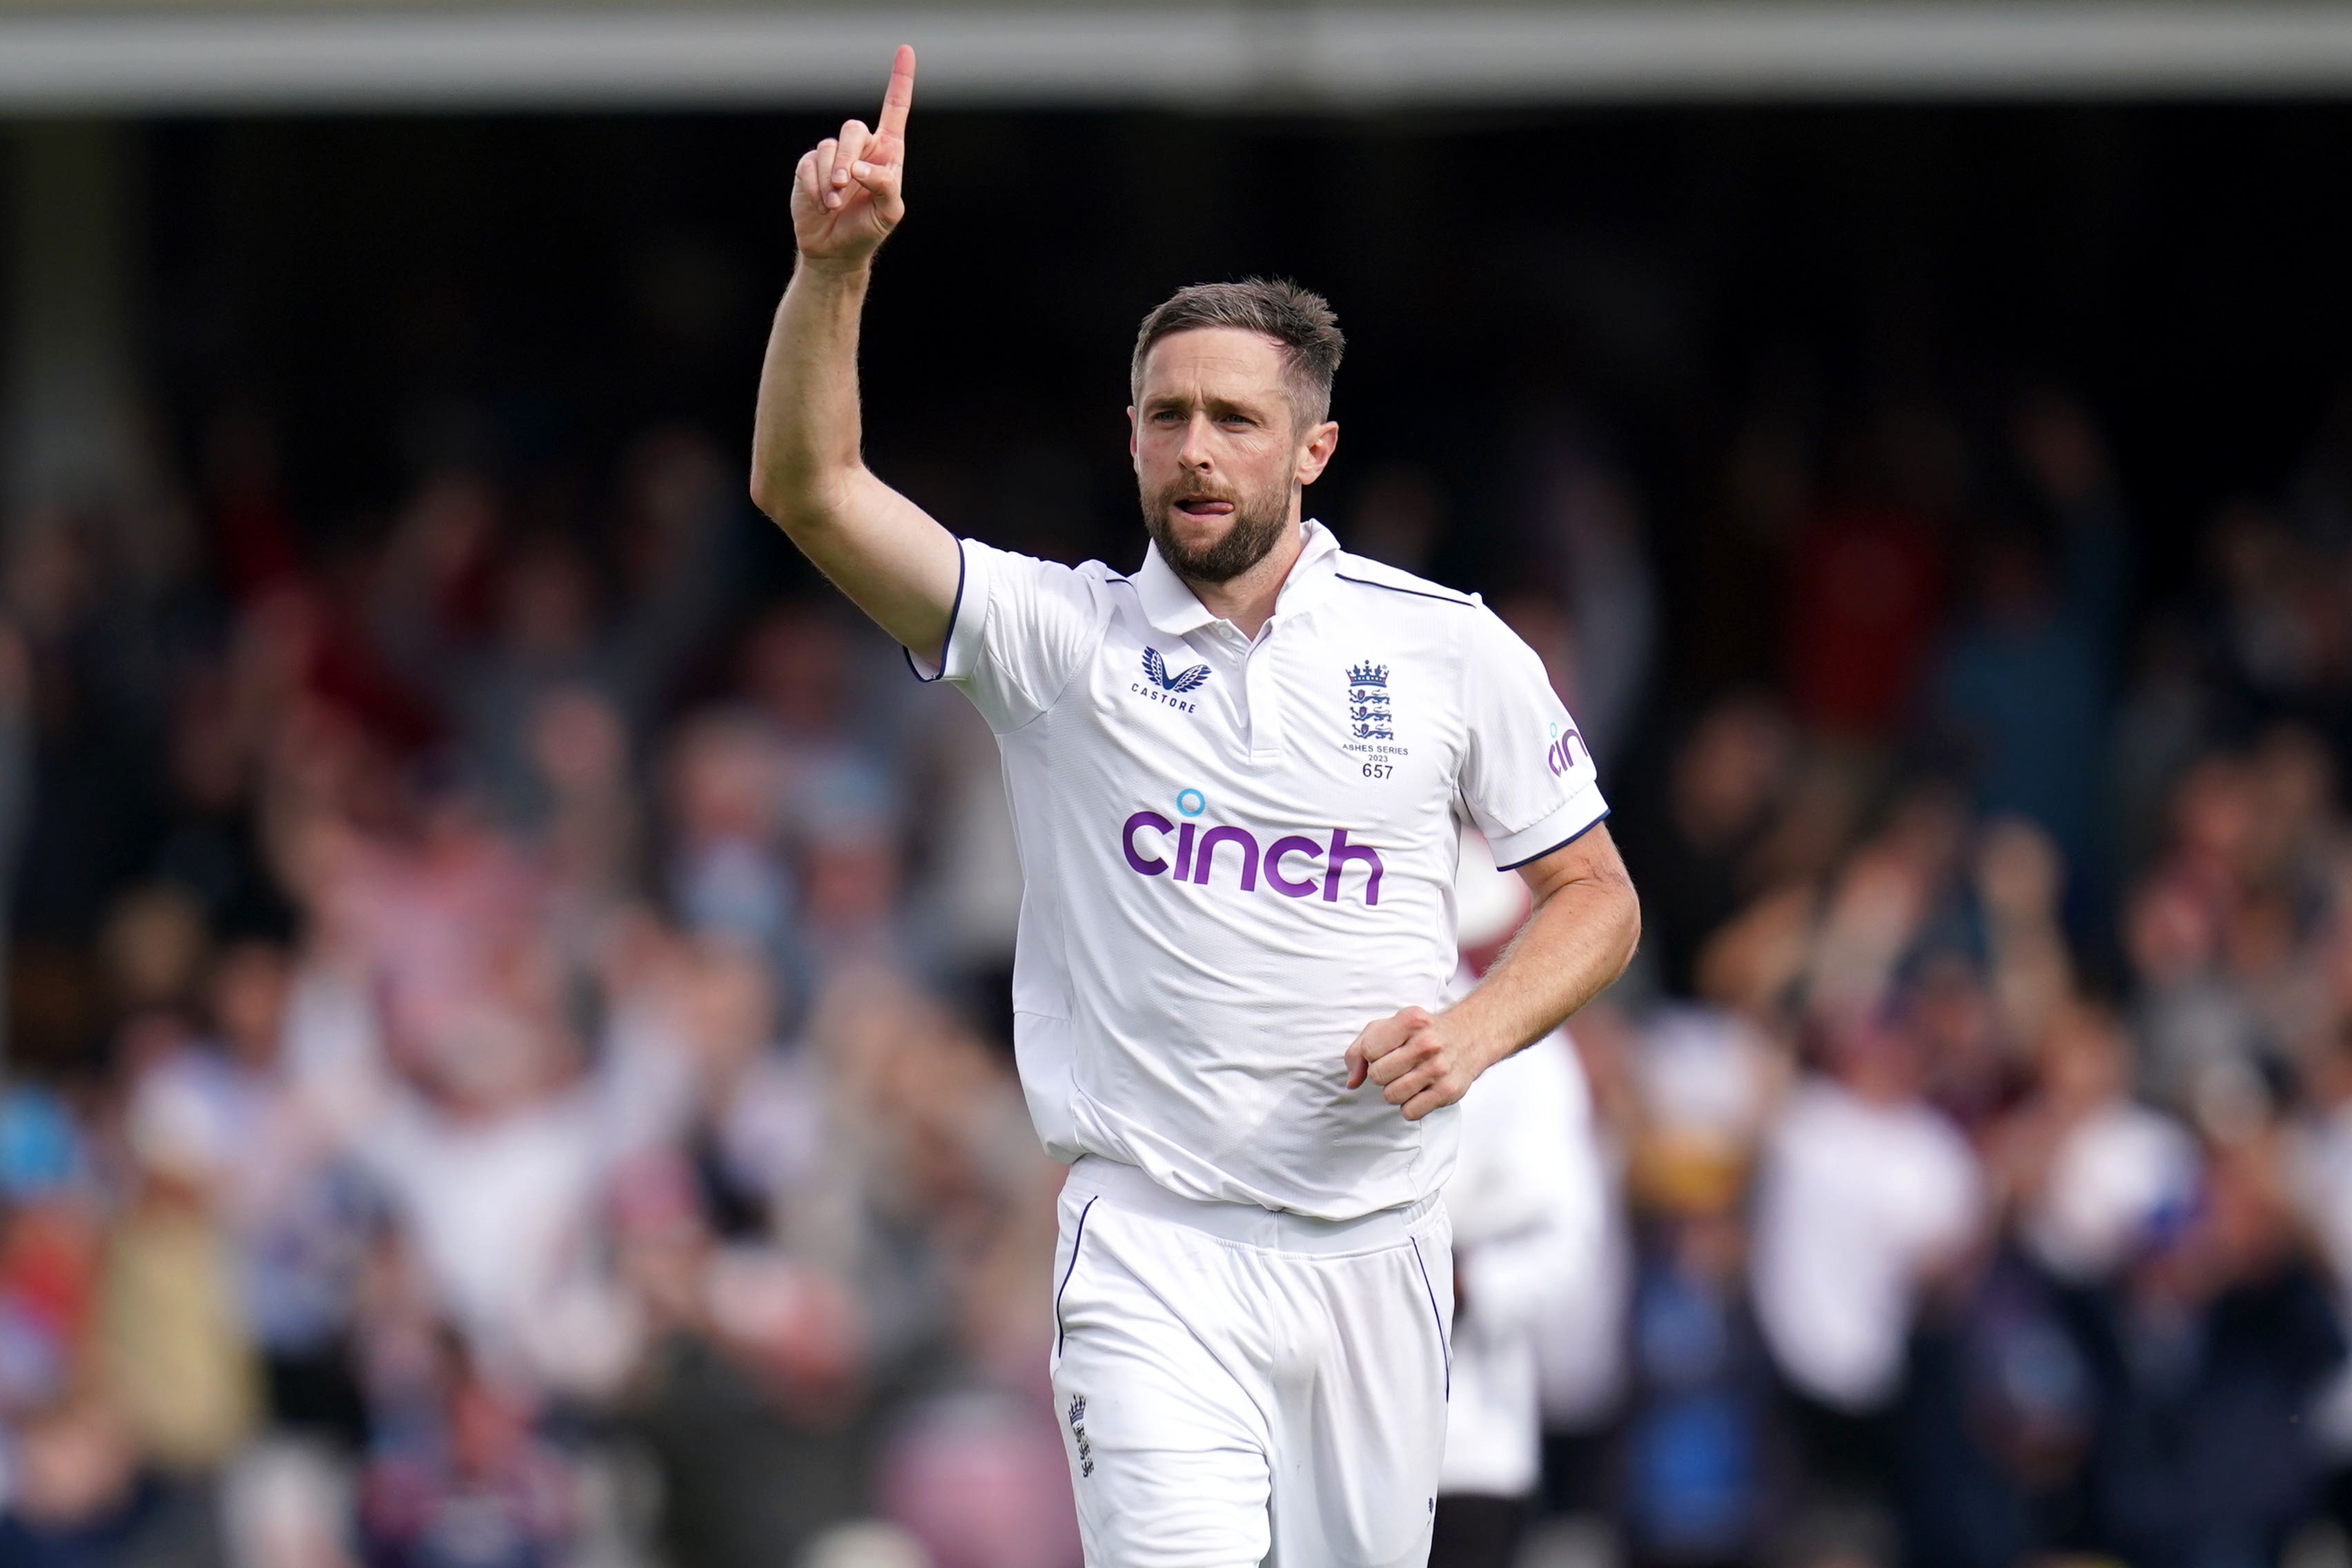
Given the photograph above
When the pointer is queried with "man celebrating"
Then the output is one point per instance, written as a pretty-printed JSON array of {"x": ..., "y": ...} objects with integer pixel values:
[{"x": 1237, "y": 781}]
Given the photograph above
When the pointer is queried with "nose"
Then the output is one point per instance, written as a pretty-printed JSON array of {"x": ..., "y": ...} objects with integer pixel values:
[{"x": 1194, "y": 452}]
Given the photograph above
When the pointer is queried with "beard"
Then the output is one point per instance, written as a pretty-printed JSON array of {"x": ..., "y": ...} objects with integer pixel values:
[{"x": 1254, "y": 528}]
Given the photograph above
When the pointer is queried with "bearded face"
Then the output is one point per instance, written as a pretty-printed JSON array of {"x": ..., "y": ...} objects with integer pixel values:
[
  {"x": 1175, "y": 512},
  {"x": 1217, "y": 452}
]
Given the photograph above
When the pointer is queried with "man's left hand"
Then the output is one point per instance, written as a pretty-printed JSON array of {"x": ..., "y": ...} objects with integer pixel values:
[{"x": 1420, "y": 1061}]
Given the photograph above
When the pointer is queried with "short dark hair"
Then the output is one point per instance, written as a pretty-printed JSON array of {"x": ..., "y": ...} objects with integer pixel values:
[{"x": 1298, "y": 319}]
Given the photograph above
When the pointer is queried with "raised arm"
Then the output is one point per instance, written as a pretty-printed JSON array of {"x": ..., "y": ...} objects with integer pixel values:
[{"x": 808, "y": 472}]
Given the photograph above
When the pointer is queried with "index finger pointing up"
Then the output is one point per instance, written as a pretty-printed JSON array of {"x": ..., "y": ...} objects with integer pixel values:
[{"x": 900, "y": 96}]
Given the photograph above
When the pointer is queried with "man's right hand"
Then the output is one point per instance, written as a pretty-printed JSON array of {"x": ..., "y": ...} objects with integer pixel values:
[
  {"x": 808, "y": 464},
  {"x": 847, "y": 193}
]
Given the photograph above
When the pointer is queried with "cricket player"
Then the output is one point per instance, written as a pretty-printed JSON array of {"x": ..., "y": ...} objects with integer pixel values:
[{"x": 1236, "y": 775}]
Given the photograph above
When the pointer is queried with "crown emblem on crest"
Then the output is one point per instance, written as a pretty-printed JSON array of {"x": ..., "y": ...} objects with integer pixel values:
[{"x": 1370, "y": 711}]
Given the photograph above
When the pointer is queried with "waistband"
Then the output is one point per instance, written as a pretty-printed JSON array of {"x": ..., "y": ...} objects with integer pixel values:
[{"x": 1277, "y": 1230}]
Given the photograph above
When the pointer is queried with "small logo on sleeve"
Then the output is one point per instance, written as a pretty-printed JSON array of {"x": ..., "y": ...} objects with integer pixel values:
[{"x": 1565, "y": 745}]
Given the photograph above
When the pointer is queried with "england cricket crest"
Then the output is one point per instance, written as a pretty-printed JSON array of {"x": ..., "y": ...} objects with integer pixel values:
[{"x": 1370, "y": 716}]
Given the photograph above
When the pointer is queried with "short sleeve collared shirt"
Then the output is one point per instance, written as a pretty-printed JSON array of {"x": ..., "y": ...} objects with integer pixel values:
[{"x": 1238, "y": 852}]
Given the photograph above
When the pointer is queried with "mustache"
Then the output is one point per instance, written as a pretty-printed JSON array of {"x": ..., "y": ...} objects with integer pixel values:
[{"x": 1180, "y": 492}]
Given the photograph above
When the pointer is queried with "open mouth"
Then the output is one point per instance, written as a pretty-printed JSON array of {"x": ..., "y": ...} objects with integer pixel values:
[{"x": 1203, "y": 506}]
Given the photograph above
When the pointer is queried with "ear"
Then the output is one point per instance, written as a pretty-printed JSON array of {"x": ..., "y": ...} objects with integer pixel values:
[
  {"x": 1130, "y": 433},
  {"x": 1315, "y": 452}
]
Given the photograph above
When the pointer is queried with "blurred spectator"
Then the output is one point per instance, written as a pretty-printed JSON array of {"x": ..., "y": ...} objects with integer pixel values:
[
  {"x": 296, "y": 1208},
  {"x": 551, "y": 623},
  {"x": 727, "y": 873},
  {"x": 460, "y": 1478},
  {"x": 981, "y": 1482},
  {"x": 79, "y": 1496},
  {"x": 2092, "y": 1169},
  {"x": 1700, "y": 1482},
  {"x": 1867, "y": 1199},
  {"x": 178, "y": 1355},
  {"x": 1761, "y": 497},
  {"x": 2322, "y": 1176},
  {"x": 1696, "y": 857},
  {"x": 1869, "y": 577},
  {"x": 1589, "y": 525},
  {"x": 802, "y": 671},
  {"x": 2209, "y": 1349},
  {"x": 2019, "y": 697}
]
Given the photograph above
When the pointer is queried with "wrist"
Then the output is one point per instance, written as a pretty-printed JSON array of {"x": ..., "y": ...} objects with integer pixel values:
[
  {"x": 836, "y": 271},
  {"x": 1492, "y": 1049},
  {"x": 1479, "y": 1042}
]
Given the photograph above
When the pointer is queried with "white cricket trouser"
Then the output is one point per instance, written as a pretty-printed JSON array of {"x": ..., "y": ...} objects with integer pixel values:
[{"x": 1239, "y": 1386}]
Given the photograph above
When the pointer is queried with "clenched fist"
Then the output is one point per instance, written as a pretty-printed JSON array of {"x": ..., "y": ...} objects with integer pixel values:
[{"x": 1419, "y": 1061}]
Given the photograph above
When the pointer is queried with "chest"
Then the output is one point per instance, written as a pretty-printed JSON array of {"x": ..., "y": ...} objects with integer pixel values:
[{"x": 1325, "y": 722}]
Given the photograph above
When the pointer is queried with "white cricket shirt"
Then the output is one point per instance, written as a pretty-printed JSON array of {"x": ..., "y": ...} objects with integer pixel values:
[{"x": 1238, "y": 853}]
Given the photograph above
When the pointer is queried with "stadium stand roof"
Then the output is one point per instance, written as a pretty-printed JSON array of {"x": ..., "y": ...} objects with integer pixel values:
[{"x": 177, "y": 55}]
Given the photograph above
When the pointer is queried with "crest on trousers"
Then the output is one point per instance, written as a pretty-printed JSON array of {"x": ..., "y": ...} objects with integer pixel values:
[
  {"x": 1371, "y": 715},
  {"x": 1079, "y": 1435}
]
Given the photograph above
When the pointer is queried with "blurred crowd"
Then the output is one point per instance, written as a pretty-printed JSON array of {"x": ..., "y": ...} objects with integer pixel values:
[
  {"x": 1979, "y": 1124},
  {"x": 507, "y": 1061},
  {"x": 487, "y": 1090}
]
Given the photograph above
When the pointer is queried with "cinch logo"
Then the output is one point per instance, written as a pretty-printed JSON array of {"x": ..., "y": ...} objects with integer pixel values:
[
  {"x": 1561, "y": 759},
  {"x": 1196, "y": 855}
]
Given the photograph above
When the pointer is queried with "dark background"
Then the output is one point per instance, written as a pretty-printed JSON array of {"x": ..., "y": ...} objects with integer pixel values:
[{"x": 568, "y": 278}]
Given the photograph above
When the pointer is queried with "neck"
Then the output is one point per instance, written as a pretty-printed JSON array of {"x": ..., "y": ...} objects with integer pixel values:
[{"x": 1248, "y": 600}]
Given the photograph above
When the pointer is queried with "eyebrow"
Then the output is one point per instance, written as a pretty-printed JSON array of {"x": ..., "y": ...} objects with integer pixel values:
[{"x": 1218, "y": 407}]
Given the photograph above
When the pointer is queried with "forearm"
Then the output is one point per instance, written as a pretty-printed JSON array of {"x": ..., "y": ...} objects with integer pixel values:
[
  {"x": 807, "y": 431},
  {"x": 1581, "y": 938},
  {"x": 808, "y": 472},
  {"x": 1578, "y": 941}
]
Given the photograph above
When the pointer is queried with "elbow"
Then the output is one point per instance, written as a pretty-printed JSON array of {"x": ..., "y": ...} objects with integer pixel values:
[
  {"x": 1629, "y": 927},
  {"x": 799, "y": 499},
  {"x": 779, "y": 501},
  {"x": 792, "y": 506},
  {"x": 763, "y": 494}
]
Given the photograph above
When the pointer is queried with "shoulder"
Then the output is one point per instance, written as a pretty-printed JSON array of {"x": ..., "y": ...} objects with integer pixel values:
[
  {"x": 1431, "y": 617},
  {"x": 1088, "y": 583},
  {"x": 1103, "y": 586},
  {"x": 1365, "y": 575}
]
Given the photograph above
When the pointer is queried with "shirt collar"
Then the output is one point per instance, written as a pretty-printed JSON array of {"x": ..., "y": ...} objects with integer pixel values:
[{"x": 1170, "y": 605}]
